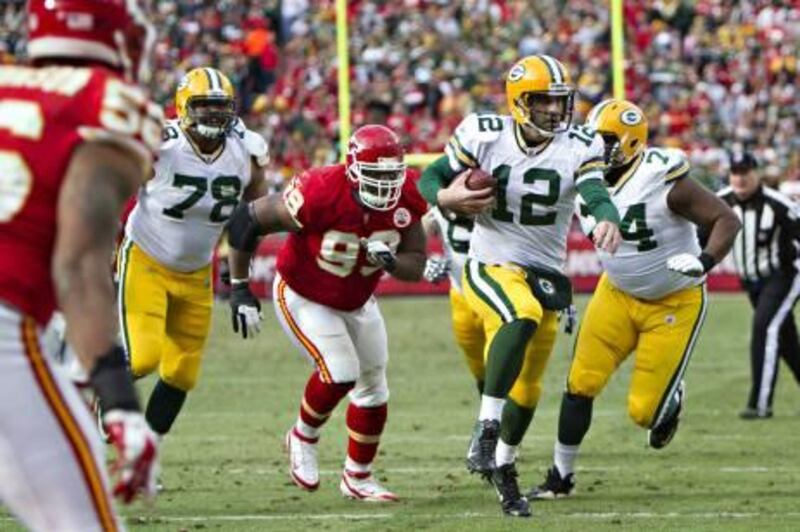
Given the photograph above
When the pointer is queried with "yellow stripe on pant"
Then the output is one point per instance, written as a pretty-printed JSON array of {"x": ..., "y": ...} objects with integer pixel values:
[
  {"x": 499, "y": 294},
  {"x": 165, "y": 317},
  {"x": 661, "y": 332}
]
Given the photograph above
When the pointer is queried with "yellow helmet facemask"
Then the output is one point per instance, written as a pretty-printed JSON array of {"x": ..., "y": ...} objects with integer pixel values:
[
  {"x": 204, "y": 102},
  {"x": 623, "y": 127},
  {"x": 540, "y": 94}
]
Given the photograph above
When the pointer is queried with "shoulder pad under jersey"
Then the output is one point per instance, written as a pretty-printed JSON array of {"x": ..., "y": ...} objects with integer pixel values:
[{"x": 668, "y": 163}]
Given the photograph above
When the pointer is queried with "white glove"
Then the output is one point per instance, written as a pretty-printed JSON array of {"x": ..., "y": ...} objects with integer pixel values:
[
  {"x": 686, "y": 264},
  {"x": 436, "y": 270},
  {"x": 136, "y": 466},
  {"x": 380, "y": 254},
  {"x": 245, "y": 310}
]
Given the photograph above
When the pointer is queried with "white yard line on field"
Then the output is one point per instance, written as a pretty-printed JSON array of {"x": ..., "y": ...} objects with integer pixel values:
[
  {"x": 459, "y": 469},
  {"x": 446, "y": 516},
  {"x": 471, "y": 515}
]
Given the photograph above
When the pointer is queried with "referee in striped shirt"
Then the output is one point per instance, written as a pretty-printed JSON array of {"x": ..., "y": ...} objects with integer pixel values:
[{"x": 765, "y": 254}]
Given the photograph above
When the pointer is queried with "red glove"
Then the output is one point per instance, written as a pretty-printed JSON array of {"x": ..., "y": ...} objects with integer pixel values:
[{"x": 136, "y": 466}]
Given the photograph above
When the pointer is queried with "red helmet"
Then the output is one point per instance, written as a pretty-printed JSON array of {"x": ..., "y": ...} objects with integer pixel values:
[
  {"x": 375, "y": 163},
  {"x": 114, "y": 32}
]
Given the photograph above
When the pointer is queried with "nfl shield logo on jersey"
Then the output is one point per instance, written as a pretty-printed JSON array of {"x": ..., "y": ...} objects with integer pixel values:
[{"x": 402, "y": 218}]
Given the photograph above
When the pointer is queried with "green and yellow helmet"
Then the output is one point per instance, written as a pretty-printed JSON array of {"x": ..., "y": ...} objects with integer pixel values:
[
  {"x": 623, "y": 127},
  {"x": 532, "y": 83},
  {"x": 205, "y": 102}
]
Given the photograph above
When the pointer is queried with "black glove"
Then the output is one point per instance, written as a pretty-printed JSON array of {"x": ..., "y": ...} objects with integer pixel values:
[{"x": 245, "y": 309}]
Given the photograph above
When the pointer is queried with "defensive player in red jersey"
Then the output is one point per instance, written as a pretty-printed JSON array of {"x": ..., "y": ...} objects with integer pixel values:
[
  {"x": 349, "y": 223},
  {"x": 77, "y": 137}
]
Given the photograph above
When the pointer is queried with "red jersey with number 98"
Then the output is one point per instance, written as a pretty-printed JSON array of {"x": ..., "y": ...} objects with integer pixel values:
[
  {"x": 45, "y": 113},
  {"x": 326, "y": 260}
]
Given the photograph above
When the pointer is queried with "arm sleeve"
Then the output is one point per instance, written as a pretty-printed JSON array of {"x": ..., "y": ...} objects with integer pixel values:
[
  {"x": 595, "y": 194},
  {"x": 436, "y": 176}
]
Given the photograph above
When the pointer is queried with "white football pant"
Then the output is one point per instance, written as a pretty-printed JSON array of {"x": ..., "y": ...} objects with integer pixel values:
[
  {"x": 344, "y": 346},
  {"x": 52, "y": 475}
]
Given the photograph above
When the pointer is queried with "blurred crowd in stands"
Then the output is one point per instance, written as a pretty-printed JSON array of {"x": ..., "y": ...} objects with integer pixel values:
[{"x": 710, "y": 74}]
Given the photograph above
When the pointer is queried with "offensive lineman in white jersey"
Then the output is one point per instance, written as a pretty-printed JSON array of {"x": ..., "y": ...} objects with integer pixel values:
[
  {"x": 207, "y": 163},
  {"x": 514, "y": 277},
  {"x": 651, "y": 298}
]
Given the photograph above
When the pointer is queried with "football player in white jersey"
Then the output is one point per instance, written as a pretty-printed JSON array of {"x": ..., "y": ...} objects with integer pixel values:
[
  {"x": 514, "y": 277},
  {"x": 207, "y": 163},
  {"x": 651, "y": 299}
]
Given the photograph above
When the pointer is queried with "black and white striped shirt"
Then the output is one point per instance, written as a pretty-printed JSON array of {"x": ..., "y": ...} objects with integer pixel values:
[{"x": 768, "y": 241}]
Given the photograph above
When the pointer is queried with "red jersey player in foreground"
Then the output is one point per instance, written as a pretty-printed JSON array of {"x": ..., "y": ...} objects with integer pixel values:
[
  {"x": 76, "y": 139},
  {"x": 349, "y": 223}
]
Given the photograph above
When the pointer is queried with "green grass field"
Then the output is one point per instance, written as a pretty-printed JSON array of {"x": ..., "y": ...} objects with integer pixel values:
[{"x": 224, "y": 467}]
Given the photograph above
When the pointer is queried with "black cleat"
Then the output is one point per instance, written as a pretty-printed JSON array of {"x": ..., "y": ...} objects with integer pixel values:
[
  {"x": 754, "y": 413},
  {"x": 658, "y": 437},
  {"x": 484, "y": 441},
  {"x": 553, "y": 487},
  {"x": 504, "y": 479}
]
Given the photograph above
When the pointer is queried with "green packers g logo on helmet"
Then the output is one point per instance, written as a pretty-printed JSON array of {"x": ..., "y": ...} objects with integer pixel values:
[
  {"x": 630, "y": 117},
  {"x": 516, "y": 72}
]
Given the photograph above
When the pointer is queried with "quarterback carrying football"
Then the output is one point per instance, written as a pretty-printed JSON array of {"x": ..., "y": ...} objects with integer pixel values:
[
  {"x": 348, "y": 224},
  {"x": 77, "y": 136},
  {"x": 513, "y": 278},
  {"x": 651, "y": 298},
  {"x": 208, "y": 161}
]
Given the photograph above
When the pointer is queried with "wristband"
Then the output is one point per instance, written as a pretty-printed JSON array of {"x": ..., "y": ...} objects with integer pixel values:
[
  {"x": 707, "y": 261},
  {"x": 112, "y": 382},
  {"x": 239, "y": 282}
]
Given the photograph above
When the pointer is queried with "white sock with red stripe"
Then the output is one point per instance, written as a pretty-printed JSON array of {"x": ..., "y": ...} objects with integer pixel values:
[
  {"x": 351, "y": 466},
  {"x": 305, "y": 430}
]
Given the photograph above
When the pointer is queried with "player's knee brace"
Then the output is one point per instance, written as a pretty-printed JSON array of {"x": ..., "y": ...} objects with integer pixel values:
[{"x": 243, "y": 229}]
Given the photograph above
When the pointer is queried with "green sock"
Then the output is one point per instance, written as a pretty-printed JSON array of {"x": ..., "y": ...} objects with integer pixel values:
[
  {"x": 506, "y": 355},
  {"x": 164, "y": 406},
  {"x": 514, "y": 422},
  {"x": 574, "y": 419}
]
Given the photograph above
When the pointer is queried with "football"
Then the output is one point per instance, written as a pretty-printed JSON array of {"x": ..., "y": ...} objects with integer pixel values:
[{"x": 477, "y": 179}]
